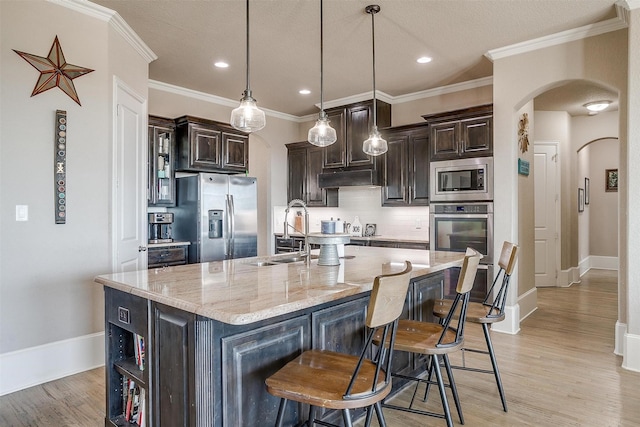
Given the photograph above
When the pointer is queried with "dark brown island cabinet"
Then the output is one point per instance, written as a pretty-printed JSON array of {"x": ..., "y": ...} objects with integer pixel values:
[{"x": 203, "y": 372}]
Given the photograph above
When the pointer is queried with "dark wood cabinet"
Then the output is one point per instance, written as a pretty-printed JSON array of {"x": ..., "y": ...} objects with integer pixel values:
[
  {"x": 304, "y": 165},
  {"x": 353, "y": 123},
  {"x": 173, "y": 367},
  {"x": 461, "y": 133},
  {"x": 406, "y": 166},
  {"x": 341, "y": 327},
  {"x": 399, "y": 245},
  {"x": 166, "y": 256},
  {"x": 209, "y": 146},
  {"x": 161, "y": 186}
]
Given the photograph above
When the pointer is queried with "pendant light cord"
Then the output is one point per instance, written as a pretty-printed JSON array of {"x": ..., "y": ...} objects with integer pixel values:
[
  {"x": 248, "y": 85},
  {"x": 373, "y": 38},
  {"x": 321, "y": 60}
]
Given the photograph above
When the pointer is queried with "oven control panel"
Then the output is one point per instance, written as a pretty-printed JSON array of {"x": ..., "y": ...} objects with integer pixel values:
[{"x": 469, "y": 208}]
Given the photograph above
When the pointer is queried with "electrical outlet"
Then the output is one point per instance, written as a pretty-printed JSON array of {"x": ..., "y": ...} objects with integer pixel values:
[
  {"x": 418, "y": 223},
  {"x": 22, "y": 212}
]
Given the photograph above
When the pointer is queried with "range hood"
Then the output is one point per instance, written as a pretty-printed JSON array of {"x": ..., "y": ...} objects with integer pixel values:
[{"x": 350, "y": 178}]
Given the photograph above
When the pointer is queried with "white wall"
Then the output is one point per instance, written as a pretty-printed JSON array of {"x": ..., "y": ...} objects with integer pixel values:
[{"x": 51, "y": 311}]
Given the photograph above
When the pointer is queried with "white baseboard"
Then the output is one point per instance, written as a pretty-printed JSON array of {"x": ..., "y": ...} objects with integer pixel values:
[
  {"x": 36, "y": 365},
  {"x": 631, "y": 356},
  {"x": 528, "y": 303},
  {"x": 511, "y": 322},
  {"x": 620, "y": 331},
  {"x": 568, "y": 277},
  {"x": 598, "y": 262}
]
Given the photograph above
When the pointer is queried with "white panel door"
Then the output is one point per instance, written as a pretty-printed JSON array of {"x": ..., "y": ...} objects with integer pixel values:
[
  {"x": 129, "y": 184},
  {"x": 546, "y": 205}
]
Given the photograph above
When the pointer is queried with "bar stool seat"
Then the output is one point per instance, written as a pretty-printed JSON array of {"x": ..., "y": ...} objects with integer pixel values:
[
  {"x": 332, "y": 380},
  {"x": 437, "y": 341},
  {"x": 487, "y": 313}
]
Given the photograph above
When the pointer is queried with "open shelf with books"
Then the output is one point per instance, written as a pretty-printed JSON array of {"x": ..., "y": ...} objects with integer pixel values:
[{"x": 127, "y": 373}]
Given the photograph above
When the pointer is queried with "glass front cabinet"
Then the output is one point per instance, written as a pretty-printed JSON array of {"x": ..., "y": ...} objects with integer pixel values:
[{"x": 161, "y": 191}]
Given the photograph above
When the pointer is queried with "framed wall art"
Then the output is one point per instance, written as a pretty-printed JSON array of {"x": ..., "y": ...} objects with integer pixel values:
[
  {"x": 580, "y": 199},
  {"x": 611, "y": 180},
  {"x": 586, "y": 191}
]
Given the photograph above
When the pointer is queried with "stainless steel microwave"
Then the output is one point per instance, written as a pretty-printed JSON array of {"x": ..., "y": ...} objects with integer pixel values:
[{"x": 462, "y": 180}]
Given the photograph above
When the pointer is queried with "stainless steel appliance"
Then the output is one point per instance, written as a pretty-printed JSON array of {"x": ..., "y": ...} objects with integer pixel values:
[
  {"x": 160, "y": 227},
  {"x": 218, "y": 215},
  {"x": 454, "y": 227},
  {"x": 462, "y": 180}
]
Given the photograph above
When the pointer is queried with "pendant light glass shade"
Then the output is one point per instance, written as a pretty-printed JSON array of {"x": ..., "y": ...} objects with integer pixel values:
[
  {"x": 375, "y": 145},
  {"x": 248, "y": 117},
  {"x": 322, "y": 134}
]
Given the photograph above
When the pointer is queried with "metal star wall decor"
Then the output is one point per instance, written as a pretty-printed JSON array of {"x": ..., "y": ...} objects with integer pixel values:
[{"x": 54, "y": 71}]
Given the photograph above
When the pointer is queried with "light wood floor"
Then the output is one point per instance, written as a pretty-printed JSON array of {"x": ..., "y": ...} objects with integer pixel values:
[{"x": 559, "y": 370}]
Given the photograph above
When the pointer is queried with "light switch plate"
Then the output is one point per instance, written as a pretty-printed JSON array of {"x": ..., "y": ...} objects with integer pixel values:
[{"x": 22, "y": 212}]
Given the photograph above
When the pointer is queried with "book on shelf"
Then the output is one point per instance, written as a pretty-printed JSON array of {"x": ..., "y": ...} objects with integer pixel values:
[
  {"x": 129, "y": 407},
  {"x": 139, "y": 351}
]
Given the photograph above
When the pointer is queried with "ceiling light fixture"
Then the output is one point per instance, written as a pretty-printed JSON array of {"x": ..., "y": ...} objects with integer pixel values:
[
  {"x": 247, "y": 117},
  {"x": 423, "y": 60},
  {"x": 597, "y": 105},
  {"x": 304, "y": 91},
  {"x": 375, "y": 145},
  {"x": 322, "y": 134},
  {"x": 221, "y": 64}
]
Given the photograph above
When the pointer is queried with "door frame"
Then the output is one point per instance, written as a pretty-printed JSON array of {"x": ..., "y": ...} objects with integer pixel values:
[{"x": 558, "y": 205}]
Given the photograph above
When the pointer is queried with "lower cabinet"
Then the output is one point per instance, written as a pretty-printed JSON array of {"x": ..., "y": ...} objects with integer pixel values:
[
  {"x": 166, "y": 256},
  {"x": 202, "y": 372}
]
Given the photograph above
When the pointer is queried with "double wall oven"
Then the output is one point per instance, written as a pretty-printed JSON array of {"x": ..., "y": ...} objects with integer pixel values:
[{"x": 461, "y": 216}]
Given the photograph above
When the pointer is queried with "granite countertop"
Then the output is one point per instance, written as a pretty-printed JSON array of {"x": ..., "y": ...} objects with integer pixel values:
[
  {"x": 378, "y": 238},
  {"x": 238, "y": 292}
]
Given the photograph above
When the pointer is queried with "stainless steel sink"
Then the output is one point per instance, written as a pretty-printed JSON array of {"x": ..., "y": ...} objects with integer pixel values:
[
  {"x": 295, "y": 258},
  {"x": 261, "y": 263},
  {"x": 280, "y": 260}
]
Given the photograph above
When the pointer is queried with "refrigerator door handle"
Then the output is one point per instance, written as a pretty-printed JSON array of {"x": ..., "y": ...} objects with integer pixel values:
[
  {"x": 232, "y": 227},
  {"x": 227, "y": 229}
]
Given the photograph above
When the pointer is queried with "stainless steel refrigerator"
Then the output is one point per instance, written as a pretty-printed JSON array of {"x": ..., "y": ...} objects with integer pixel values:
[{"x": 218, "y": 214}]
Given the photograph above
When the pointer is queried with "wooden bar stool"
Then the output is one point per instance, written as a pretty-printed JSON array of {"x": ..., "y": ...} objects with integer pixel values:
[
  {"x": 487, "y": 313},
  {"x": 332, "y": 380},
  {"x": 437, "y": 340}
]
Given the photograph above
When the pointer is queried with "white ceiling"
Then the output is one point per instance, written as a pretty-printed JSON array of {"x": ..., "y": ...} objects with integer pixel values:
[{"x": 188, "y": 36}]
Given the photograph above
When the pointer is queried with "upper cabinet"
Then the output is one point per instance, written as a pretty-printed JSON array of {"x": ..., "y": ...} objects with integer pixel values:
[
  {"x": 161, "y": 191},
  {"x": 352, "y": 124},
  {"x": 209, "y": 146},
  {"x": 304, "y": 165},
  {"x": 406, "y": 166},
  {"x": 461, "y": 133}
]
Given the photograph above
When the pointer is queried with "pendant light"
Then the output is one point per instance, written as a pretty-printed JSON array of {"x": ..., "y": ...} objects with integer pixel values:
[
  {"x": 247, "y": 117},
  {"x": 375, "y": 144},
  {"x": 322, "y": 134}
]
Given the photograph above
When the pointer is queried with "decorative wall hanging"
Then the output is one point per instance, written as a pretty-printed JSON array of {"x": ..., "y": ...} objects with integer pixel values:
[
  {"x": 580, "y": 200},
  {"x": 54, "y": 71},
  {"x": 523, "y": 133},
  {"x": 60, "y": 167},
  {"x": 611, "y": 180},
  {"x": 587, "y": 186}
]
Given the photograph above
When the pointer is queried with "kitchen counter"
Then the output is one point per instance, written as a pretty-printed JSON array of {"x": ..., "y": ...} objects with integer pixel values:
[
  {"x": 168, "y": 244},
  {"x": 213, "y": 332},
  {"x": 238, "y": 292},
  {"x": 375, "y": 238}
]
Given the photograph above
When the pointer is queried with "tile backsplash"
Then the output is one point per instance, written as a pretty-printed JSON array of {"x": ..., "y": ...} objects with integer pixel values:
[{"x": 400, "y": 222}]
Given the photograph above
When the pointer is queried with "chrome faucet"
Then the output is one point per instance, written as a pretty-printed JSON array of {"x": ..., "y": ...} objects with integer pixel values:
[{"x": 307, "y": 247}]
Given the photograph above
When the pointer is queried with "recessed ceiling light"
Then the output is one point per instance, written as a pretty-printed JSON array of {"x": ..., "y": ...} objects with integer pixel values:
[
  {"x": 597, "y": 105},
  {"x": 221, "y": 64},
  {"x": 423, "y": 60},
  {"x": 304, "y": 92}
]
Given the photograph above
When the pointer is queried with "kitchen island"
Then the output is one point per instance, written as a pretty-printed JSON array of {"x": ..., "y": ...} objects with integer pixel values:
[{"x": 213, "y": 332}]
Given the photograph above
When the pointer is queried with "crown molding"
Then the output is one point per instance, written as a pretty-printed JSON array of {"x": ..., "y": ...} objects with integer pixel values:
[
  {"x": 443, "y": 90},
  {"x": 214, "y": 99},
  {"x": 579, "y": 33},
  {"x": 624, "y": 8},
  {"x": 114, "y": 19}
]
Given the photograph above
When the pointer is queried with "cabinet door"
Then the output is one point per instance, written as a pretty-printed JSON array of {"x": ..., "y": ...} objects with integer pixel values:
[
  {"x": 359, "y": 119},
  {"x": 444, "y": 140},
  {"x": 426, "y": 291},
  {"x": 173, "y": 367},
  {"x": 418, "y": 169},
  {"x": 205, "y": 145},
  {"x": 248, "y": 359},
  {"x": 395, "y": 171},
  {"x": 235, "y": 149},
  {"x": 340, "y": 328},
  {"x": 161, "y": 190},
  {"x": 315, "y": 195},
  {"x": 297, "y": 164},
  {"x": 476, "y": 136},
  {"x": 334, "y": 154}
]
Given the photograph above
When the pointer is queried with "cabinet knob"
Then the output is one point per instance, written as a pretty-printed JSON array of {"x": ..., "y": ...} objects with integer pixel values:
[{"x": 142, "y": 248}]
